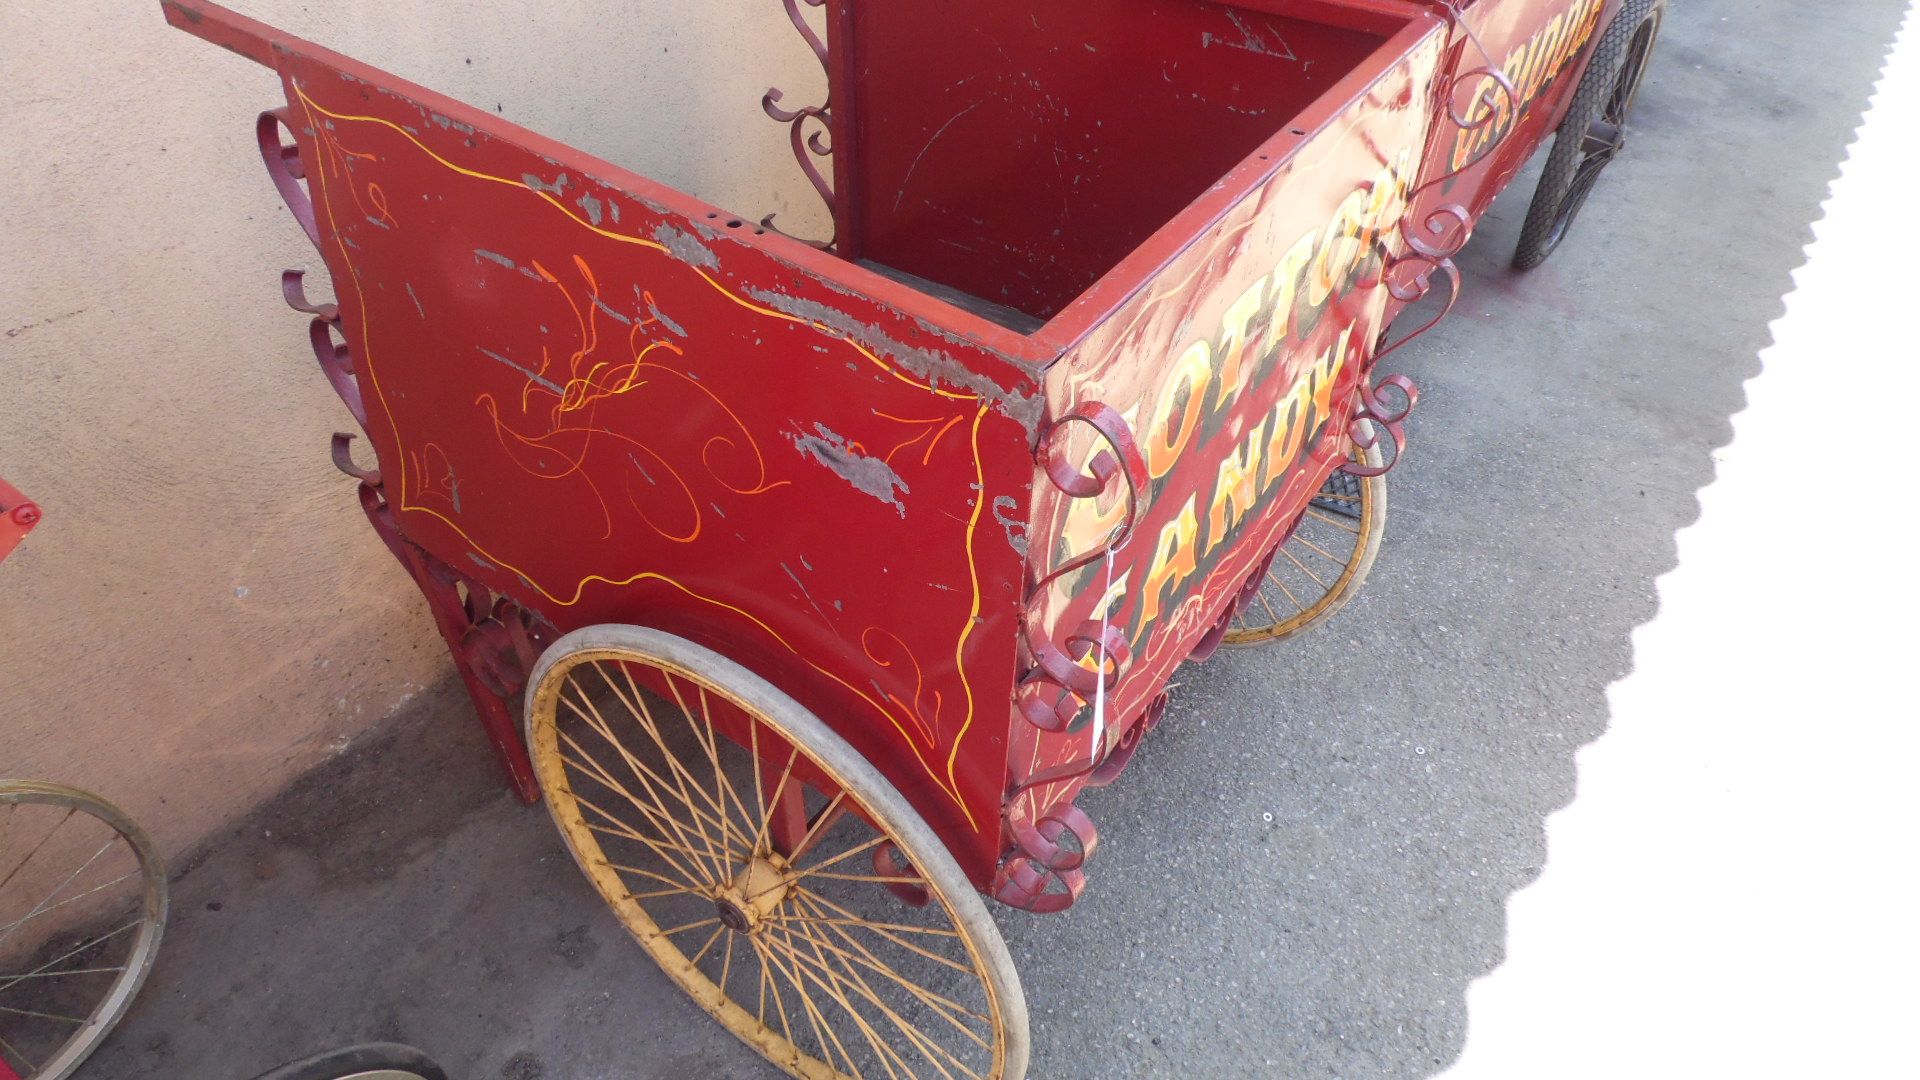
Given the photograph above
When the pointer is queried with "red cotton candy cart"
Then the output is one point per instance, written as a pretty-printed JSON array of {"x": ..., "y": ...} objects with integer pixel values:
[{"x": 832, "y": 572}]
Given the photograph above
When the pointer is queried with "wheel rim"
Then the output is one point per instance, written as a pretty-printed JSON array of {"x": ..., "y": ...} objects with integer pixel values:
[
  {"x": 1607, "y": 135},
  {"x": 1323, "y": 564},
  {"x": 83, "y": 901},
  {"x": 675, "y": 794}
]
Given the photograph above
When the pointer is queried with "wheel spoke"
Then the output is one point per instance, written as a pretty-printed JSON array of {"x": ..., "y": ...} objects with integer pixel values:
[
  {"x": 817, "y": 966},
  {"x": 43, "y": 1015},
  {"x": 887, "y": 1055},
  {"x": 695, "y": 925},
  {"x": 21, "y": 865},
  {"x": 660, "y": 847},
  {"x": 1295, "y": 560},
  {"x": 1288, "y": 593},
  {"x": 920, "y": 1040},
  {"x": 80, "y": 896},
  {"x": 938, "y": 1004},
  {"x": 75, "y": 951},
  {"x": 766, "y": 818},
  {"x": 32, "y": 1066},
  {"x": 712, "y": 746},
  {"x": 901, "y": 927},
  {"x": 644, "y": 872},
  {"x": 698, "y": 818},
  {"x": 638, "y": 706},
  {"x": 956, "y": 965},
  {"x": 654, "y": 783},
  {"x": 711, "y": 938},
  {"x": 717, "y": 859},
  {"x": 61, "y": 974},
  {"x": 1332, "y": 520},
  {"x": 1318, "y": 550},
  {"x": 806, "y": 1004}
]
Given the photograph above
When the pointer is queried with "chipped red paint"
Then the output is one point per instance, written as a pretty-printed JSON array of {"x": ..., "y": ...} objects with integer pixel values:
[
  {"x": 18, "y": 516},
  {"x": 1103, "y": 282}
]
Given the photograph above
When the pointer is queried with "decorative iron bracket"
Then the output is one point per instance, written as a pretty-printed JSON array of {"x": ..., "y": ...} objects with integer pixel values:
[
  {"x": 1043, "y": 871},
  {"x": 817, "y": 143},
  {"x": 494, "y": 641},
  {"x": 1431, "y": 241}
]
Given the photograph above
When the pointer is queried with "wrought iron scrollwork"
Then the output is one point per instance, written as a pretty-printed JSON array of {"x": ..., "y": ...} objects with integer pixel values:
[
  {"x": 808, "y": 144},
  {"x": 1431, "y": 238},
  {"x": 494, "y": 641},
  {"x": 1043, "y": 871}
]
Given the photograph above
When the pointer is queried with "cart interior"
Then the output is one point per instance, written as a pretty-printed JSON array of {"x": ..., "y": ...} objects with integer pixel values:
[{"x": 1011, "y": 152}]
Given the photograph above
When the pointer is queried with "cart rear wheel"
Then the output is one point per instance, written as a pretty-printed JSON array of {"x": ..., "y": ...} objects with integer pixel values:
[
  {"x": 73, "y": 859},
  {"x": 753, "y": 852},
  {"x": 1594, "y": 130},
  {"x": 1323, "y": 564}
]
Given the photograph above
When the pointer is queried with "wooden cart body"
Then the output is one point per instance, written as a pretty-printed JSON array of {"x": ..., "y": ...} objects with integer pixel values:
[{"x": 1101, "y": 313}]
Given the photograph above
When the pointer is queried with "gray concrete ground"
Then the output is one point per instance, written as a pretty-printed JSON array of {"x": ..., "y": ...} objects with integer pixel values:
[{"x": 1408, "y": 754}]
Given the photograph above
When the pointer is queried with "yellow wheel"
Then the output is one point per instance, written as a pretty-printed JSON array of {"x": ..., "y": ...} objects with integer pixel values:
[
  {"x": 768, "y": 868},
  {"x": 1323, "y": 564}
]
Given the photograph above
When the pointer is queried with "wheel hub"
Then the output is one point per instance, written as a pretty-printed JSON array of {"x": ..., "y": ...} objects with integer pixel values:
[{"x": 754, "y": 894}]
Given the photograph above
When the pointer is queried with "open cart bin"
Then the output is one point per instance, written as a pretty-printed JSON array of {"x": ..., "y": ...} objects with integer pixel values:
[{"x": 1102, "y": 283}]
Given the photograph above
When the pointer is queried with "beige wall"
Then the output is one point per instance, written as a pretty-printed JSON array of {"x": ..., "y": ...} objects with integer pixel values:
[{"x": 204, "y": 612}]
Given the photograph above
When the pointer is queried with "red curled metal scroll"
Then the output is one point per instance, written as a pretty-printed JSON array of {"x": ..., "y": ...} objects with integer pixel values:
[
  {"x": 1042, "y": 874},
  {"x": 18, "y": 516},
  {"x": 808, "y": 145},
  {"x": 494, "y": 641},
  {"x": 1432, "y": 238}
]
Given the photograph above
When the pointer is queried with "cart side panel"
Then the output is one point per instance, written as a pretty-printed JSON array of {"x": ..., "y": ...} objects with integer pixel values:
[
  {"x": 611, "y": 410},
  {"x": 1234, "y": 367},
  {"x": 1542, "y": 48}
]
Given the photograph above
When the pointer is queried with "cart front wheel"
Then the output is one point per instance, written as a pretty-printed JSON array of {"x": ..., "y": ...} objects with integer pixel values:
[
  {"x": 1323, "y": 564},
  {"x": 1594, "y": 130},
  {"x": 768, "y": 868}
]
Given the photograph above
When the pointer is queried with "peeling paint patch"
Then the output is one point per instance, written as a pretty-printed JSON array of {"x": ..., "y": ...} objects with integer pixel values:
[
  {"x": 1016, "y": 529},
  {"x": 801, "y": 585},
  {"x": 1252, "y": 42},
  {"x": 591, "y": 206},
  {"x": 867, "y": 474},
  {"x": 494, "y": 256},
  {"x": 451, "y": 124},
  {"x": 609, "y": 312},
  {"x": 685, "y": 247},
  {"x": 935, "y": 366},
  {"x": 479, "y": 562},
  {"x": 557, "y": 189},
  {"x": 417, "y": 305},
  {"x": 540, "y": 379},
  {"x": 659, "y": 316}
]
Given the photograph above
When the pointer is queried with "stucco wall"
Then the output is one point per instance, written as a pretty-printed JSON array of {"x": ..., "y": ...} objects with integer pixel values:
[{"x": 204, "y": 612}]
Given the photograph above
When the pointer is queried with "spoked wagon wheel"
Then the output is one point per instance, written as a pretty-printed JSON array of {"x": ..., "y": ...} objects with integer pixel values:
[
  {"x": 767, "y": 867},
  {"x": 76, "y": 862},
  {"x": 1323, "y": 564},
  {"x": 1594, "y": 130}
]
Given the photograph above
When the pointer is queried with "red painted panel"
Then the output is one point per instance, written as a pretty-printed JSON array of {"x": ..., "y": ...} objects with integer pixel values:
[
  {"x": 1019, "y": 149},
  {"x": 614, "y": 410},
  {"x": 1542, "y": 47}
]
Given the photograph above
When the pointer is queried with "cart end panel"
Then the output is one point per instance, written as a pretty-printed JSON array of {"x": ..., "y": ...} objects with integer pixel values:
[
  {"x": 612, "y": 410},
  {"x": 1197, "y": 420},
  {"x": 1017, "y": 149}
]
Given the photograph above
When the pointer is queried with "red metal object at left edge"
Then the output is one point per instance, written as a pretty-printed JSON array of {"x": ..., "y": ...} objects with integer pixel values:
[{"x": 18, "y": 516}]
